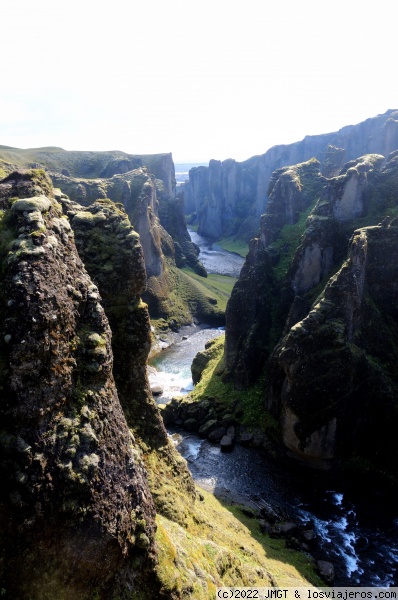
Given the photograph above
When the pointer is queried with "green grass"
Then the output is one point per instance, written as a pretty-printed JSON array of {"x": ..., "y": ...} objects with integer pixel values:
[
  {"x": 249, "y": 403},
  {"x": 234, "y": 245},
  {"x": 218, "y": 287},
  {"x": 220, "y": 545}
]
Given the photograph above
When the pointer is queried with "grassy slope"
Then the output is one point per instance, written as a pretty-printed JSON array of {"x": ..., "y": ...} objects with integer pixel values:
[
  {"x": 246, "y": 405},
  {"x": 220, "y": 545},
  {"x": 214, "y": 286},
  {"x": 236, "y": 245}
]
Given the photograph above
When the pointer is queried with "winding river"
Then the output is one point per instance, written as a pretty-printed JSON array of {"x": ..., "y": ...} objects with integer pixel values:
[{"x": 358, "y": 532}]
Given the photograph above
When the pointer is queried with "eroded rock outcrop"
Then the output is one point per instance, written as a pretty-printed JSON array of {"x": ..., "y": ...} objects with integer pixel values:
[
  {"x": 304, "y": 234},
  {"x": 77, "y": 515},
  {"x": 327, "y": 343},
  {"x": 260, "y": 299},
  {"x": 186, "y": 253},
  {"x": 159, "y": 219},
  {"x": 136, "y": 190},
  {"x": 145, "y": 185},
  {"x": 112, "y": 254},
  {"x": 88, "y": 165},
  {"x": 333, "y": 377}
]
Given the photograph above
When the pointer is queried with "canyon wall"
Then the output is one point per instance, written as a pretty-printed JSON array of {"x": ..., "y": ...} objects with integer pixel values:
[
  {"x": 314, "y": 312},
  {"x": 145, "y": 186},
  {"x": 228, "y": 197}
]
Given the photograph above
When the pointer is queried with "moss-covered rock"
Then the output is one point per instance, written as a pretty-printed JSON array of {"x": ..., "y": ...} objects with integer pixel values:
[
  {"x": 334, "y": 372},
  {"x": 73, "y": 480}
]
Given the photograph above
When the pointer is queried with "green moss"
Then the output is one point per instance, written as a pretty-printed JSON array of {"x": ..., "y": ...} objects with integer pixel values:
[
  {"x": 7, "y": 234},
  {"x": 288, "y": 241},
  {"x": 219, "y": 546},
  {"x": 247, "y": 405},
  {"x": 38, "y": 203}
]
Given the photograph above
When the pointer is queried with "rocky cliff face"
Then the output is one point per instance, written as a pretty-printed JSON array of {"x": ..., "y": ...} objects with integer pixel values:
[
  {"x": 158, "y": 218},
  {"x": 136, "y": 190},
  {"x": 77, "y": 515},
  {"x": 339, "y": 363},
  {"x": 333, "y": 379},
  {"x": 160, "y": 222},
  {"x": 228, "y": 196},
  {"x": 186, "y": 253},
  {"x": 112, "y": 254},
  {"x": 80, "y": 482},
  {"x": 252, "y": 326}
]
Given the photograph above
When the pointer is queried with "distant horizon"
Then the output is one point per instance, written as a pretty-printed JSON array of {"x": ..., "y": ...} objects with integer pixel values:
[{"x": 196, "y": 161}]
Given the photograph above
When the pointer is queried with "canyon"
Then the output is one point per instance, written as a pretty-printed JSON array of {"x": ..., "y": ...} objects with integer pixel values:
[{"x": 97, "y": 263}]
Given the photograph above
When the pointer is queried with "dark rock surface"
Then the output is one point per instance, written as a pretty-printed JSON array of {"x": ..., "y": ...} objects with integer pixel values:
[
  {"x": 328, "y": 351},
  {"x": 73, "y": 483},
  {"x": 112, "y": 254},
  {"x": 333, "y": 373}
]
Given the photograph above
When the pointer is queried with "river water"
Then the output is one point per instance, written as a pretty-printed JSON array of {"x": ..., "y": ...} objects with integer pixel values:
[
  {"x": 215, "y": 259},
  {"x": 357, "y": 532}
]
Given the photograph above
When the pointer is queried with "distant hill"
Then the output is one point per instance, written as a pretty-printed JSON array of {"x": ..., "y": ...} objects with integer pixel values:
[{"x": 86, "y": 164}]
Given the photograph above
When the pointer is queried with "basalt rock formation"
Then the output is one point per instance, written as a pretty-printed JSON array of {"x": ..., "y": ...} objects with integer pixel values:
[
  {"x": 111, "y": 251},
  {"x": 186, "y": 253},
  {"x": 137, "y": 191},
  {"x": 328, "y": 352},
  {"x": 77, "y": 514},
  {"x": 228, "y": 197},
  {"x": 88, "y": 165}
]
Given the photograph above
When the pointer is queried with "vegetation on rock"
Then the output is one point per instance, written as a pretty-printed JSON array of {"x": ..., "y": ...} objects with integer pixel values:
[
  {"x": 84, "y": 475},
  {"x": 304, "y": 238}
]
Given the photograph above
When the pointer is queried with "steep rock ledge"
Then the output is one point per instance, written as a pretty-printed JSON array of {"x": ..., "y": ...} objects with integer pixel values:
[
  {"x": 305, "y": 234},
  {"x": 112, "y": 254},
  {"x": 145, "y": 185},
  {"x": 333, "y": 378},
  {"x": 136, "y": 190},
  {"x": 160, "y": 222},
  {"x": 295, "y": 260},
  {"x": 76, "y": 511}
]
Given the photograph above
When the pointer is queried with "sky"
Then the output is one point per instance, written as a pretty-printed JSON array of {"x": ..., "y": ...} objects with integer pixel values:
[{"x": 199, "y": 78}]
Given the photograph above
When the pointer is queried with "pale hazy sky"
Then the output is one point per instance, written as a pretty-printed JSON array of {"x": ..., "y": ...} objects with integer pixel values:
[{"x": 199, "y": 78}]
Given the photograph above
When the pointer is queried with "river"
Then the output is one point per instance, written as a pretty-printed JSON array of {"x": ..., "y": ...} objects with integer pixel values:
[
  {"x": 215, "y": 259},
  {"x": 357, "y": 532}
]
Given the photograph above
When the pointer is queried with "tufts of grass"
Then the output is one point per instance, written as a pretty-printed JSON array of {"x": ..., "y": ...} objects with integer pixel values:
[{"x": 220, "y": 546}]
